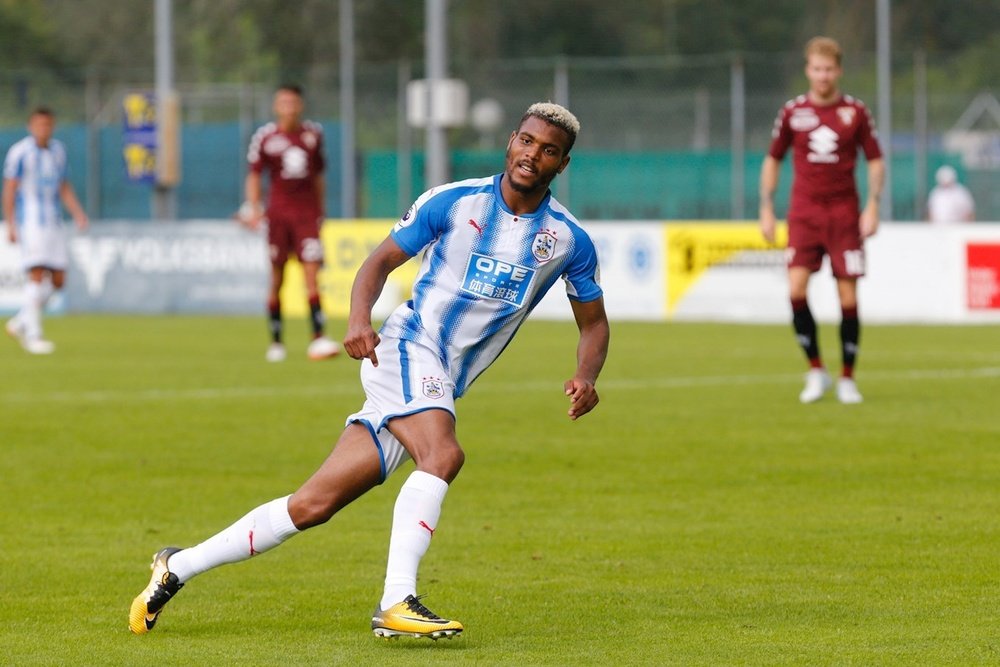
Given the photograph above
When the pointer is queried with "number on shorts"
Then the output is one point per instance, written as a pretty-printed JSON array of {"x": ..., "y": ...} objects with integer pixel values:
[{"x": 854, "y": 262}]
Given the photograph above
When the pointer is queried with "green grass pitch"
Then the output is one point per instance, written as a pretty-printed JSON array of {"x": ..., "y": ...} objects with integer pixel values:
[{"x": 700, "y": 516}]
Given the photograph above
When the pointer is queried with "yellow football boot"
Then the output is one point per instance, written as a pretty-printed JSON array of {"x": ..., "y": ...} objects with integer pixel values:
[
  {"x": 163, "y": 585},
  {"x": 410, "y": 618}
]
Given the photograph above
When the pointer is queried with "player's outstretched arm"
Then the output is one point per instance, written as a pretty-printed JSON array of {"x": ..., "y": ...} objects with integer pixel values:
[
  {"x": 361, "y": 338},
  {"x": 591, "y": 351}
]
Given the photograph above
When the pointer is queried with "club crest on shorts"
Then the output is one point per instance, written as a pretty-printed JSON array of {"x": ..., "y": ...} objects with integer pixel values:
[
  {"x": 433, "y": 387},
  {"x": 544, "y": 245}
]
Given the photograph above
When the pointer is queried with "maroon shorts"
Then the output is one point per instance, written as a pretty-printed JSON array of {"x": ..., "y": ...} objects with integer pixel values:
[
  {"x": 831, "y": 228},
  {"x": 296, "y": 234}
]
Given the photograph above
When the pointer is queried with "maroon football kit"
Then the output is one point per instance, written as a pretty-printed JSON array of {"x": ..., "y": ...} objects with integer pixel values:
[
  {"x": 823, "y": 216},
  {"x": 293, "y": 160}
]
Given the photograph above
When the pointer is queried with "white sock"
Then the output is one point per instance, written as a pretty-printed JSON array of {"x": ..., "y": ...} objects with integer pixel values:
[
  {"x": 261, "y": 529},
  {"x": 48, "y": 289},
  {"x": 414, "y": 520},
  {"x": 31, "y": 313}
]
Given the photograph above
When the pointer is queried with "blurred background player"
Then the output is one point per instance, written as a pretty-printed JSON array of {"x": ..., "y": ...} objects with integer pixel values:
[
  {"x": 825, "y": 129},
  {"x": 290, "y": 149},
  {"x": 949, "y": 201},
  {"x": 34, "y": 183},
  {"x": 492, "y": 248}
]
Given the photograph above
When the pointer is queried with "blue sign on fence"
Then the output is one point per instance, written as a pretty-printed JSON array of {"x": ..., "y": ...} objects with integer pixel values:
[{"x": 139, "y": 136}]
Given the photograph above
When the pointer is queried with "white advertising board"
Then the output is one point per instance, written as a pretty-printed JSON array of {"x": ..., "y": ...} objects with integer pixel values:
[
  {"x": 654, "y": 271},
  {"x": 915, "y": 274}
]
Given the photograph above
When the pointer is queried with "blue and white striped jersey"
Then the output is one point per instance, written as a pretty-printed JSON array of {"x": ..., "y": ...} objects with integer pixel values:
[
  {"x": 484, "y": 269},
  {"x": 40, "y": 172}
]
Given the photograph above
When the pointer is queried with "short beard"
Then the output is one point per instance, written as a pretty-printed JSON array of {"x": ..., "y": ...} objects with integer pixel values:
[{"x": 538, "y": 185}]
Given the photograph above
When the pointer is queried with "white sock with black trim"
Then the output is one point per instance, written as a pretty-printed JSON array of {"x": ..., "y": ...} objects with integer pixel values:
[
  {"x": 414, "y": 520},
  {"x": 263, "y": 528}
]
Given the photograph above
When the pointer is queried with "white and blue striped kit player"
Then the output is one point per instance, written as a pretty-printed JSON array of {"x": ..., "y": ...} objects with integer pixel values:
[
  {"x": 40, "y": 173},
  {"x": 484, "y": 269}
]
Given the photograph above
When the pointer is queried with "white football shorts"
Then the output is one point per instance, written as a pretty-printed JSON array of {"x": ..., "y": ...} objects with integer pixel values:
[
  {"x": 409, "y": 378},
  {"x": 42, "y": 245}
]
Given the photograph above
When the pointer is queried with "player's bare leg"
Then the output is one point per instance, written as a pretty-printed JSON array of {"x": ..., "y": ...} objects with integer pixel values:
[
  {"x": 817, "y": 379},
  {"x": 429, "y": 438},
  {"x": 850, "y": 336},
  {"x": 320, "y": 347},
  {"x": 351, "y": 469}
]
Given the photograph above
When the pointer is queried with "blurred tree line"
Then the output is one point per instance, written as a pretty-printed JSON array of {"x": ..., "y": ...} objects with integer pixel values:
[{"x": 270, "y": 40}]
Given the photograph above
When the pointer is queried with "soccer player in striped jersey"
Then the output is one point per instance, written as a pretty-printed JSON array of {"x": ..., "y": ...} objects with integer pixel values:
[
  {"x": 34, "y": 184},
  {"x": 492, "y": 247},
  {"x": 825, "y": 130}
]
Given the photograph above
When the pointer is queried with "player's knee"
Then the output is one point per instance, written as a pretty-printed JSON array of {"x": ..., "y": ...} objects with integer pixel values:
[
  {"x": 308, "y": 511},
  {"x": 444, "y": 462}
]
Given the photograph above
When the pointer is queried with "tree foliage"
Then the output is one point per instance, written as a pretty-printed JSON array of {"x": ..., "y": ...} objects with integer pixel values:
[{"x": 228, "y": 40}]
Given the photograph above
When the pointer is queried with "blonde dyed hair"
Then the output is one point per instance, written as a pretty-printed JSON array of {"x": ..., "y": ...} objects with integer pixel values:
[
  {"x": 824, "y": 46},
  {"x": 554, "y": 114}
]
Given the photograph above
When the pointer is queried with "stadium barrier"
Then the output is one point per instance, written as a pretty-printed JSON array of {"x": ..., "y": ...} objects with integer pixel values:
[{"x": 650, "y": 271}]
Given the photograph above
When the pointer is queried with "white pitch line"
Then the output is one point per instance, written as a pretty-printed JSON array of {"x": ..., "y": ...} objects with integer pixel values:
[{"x": 485, "y": 387}]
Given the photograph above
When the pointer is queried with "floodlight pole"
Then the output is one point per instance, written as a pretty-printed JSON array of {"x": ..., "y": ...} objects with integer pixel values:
[
  {"x": 164, "y": 197},
  {"x": 885, "y": 103},
  {"x": 737, "y": 123},
  {"x": 348, "y": 175},
  {"x": 436, "y": 170}
]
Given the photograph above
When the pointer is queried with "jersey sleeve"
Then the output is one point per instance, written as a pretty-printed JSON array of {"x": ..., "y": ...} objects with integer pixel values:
[
  {"x": 63, "y": 164},
  {"x": 781, "y": 135},
  {"x": 13, "y": 164},
  {"x": 583, "y": 273},
  {"x": 420, "y": 225},
  {"x": 867, "y": 137},
  {"x": 255, "y": 158}
]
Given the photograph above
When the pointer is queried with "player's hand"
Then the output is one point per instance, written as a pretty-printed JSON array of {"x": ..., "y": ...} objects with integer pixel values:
[
  {"x": 582, "y": 397},
  {"x": 12, "y": 234},
  {"x": 869, "y": 220},
  {"x": 767, "y": 225},
  {"x": 250, "y": 215},
  {"x": 82, "y": 222},
  {"x": 361, "y": 341}
]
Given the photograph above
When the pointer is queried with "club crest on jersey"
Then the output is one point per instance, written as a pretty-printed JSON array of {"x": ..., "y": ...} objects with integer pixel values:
[
  {"x": 544, "y": 245},
  {"x": 433, "y": 387},
  {"x": 846, "y": 115}
]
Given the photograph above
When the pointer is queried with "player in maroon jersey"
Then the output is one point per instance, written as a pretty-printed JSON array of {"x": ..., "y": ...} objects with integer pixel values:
[
  {"x": 290, "y": 149},
  {"x": 825, "y": 130}
]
